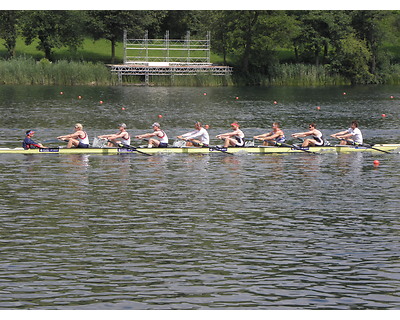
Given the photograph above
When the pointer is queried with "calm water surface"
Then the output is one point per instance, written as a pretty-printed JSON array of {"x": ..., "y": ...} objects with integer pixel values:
[{"x": 216, "y": 231}]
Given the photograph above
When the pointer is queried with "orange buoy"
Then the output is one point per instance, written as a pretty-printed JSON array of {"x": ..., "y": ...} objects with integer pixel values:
[{"x": 376, "y": 163}]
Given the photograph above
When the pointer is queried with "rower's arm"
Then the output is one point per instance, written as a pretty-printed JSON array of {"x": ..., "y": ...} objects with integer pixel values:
[
  {"x": 300, "y": 134},
  {"x": 273, "y": 136},
  {"x": 262, "y": 136},
  {"x": 345, "y": 136},
  {"x": 71, "y": 136},
  {"x": 339, "y": 134},
  {"x": 146, "y": 135}
]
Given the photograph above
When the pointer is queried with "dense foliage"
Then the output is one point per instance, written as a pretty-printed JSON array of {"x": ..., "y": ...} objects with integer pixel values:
[{"x": 352, "y": 44}]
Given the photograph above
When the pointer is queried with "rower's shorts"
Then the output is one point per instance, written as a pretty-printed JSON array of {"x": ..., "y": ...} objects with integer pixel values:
[
  {"x": 163, "y": 145},
  {"x": 82, "y": 145}
]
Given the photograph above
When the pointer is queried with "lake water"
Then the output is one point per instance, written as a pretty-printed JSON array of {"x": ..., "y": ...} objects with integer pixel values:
[{"x": 298, "y": 231}]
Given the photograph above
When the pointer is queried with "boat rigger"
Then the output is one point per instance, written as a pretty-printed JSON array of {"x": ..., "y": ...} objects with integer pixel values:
[{"x": 384, "y": 148}]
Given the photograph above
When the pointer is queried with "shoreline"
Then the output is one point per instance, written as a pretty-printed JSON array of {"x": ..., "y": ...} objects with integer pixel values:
[{"x": 27, "y": 71}]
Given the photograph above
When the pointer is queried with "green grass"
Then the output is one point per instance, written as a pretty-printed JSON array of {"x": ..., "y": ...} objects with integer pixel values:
[{"x": 91, "y": 51}]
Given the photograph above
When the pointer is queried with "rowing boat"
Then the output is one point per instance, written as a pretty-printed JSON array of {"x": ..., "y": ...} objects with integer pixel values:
[{"x": 387, "y": 148}]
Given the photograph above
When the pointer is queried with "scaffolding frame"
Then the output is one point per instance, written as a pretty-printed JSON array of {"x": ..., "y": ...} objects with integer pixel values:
[
  {"x": 164, "y": 52},
  {"x": 167, "y": 57}
]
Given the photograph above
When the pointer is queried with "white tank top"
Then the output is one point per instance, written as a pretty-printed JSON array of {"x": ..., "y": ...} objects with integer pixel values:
[
  {"x": 126, "y": 141},
  {"x": 85, "y": 139},
  {"x": 162, "y": 136}
]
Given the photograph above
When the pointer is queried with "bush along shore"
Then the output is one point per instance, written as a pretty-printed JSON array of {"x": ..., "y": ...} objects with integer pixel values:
[{"x": 27, "y": 71}]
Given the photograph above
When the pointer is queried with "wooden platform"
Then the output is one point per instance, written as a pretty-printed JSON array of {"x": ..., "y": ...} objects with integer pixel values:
[{"x": 160, "y": 69}]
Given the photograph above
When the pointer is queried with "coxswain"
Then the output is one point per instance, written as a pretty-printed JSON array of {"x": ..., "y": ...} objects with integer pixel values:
[
  {"x": 315, "y": 135},
  {"x": 203, "y": 139},
  {"x": 161, "y": 140},
  {"x": 273, "y": 137},
  {"x": 352, "y": 135},
  {"x": 119, "y": 139},
  {"x": 28, "y": 143},
  {"x": 234, "y": 138},
  {"x": 78, "y": 139}
]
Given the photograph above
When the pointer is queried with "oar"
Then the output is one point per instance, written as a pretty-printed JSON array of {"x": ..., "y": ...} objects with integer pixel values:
[
  {"x": 364, "y": 145},
  {"x": 216, "y": 148},
  {"x": 371, "y": 147},
  {"x": 50, "y": 141},
  {"x": 294, "y": 147},
  {"x": 133, "y": 149}
]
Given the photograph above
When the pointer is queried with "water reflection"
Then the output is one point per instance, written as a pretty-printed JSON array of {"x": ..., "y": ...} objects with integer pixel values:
[{"x": 76, "y": 160}]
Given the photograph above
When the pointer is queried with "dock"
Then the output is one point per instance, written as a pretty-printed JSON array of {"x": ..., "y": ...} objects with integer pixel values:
[{"x": 168, "y": 70}]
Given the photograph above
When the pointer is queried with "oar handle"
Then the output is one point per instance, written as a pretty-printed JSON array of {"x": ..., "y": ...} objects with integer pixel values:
[
  {"x": 279, "y": 144},
  {"x": 223, "y": 150}
]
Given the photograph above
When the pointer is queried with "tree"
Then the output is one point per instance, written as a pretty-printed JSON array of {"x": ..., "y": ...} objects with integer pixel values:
[
  {"x": 217, "y": 22},
  {"x": 53, "y": 29},
  {"x": 369, "y": 27},
  {"x": 320, "y": 30},
  {"x": 178, "y": 22},
  {"x": 8, "y": 30},
  {"x": 252, "y": 37},
  {"x": 351, "y": 59},
  {"x": 110, "y": 24}
]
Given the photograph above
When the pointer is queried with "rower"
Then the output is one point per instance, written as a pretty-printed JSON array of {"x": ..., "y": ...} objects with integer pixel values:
[
  {"x": 160, "y": 142},
  {"x": 200, "y": 133},
  {"x": 122, "y": 134},
  {"x": 273, "y": 137},
  {"x": 234, "y": 138},
  {"x": 352, "y": 135},
  {"x": 78, "y": 139},
  {"x": 316, "y": 136},
  {"x": 28, "y": 143}
]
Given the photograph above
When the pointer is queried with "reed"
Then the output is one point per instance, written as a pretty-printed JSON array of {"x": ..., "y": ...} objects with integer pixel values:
[
  {"x": 393, "y": 77},
  {"x": 303, "y": 75},
  {"x": 27, "y": 71}
]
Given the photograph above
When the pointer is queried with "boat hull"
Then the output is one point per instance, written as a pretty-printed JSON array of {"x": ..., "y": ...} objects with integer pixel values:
[{"x": 392, "y": 148}]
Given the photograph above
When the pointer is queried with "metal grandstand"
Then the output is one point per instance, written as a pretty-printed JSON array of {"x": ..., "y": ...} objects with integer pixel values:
[{"x": 161, "y": 57}]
